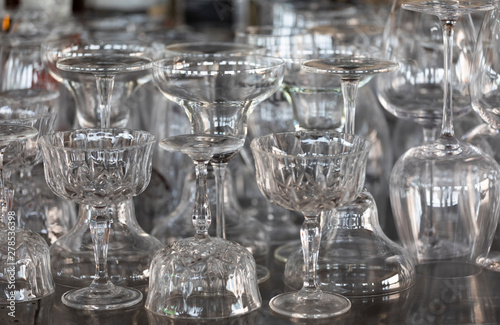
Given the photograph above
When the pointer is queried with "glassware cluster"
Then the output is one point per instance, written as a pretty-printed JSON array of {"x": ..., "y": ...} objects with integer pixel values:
[{"x": 120, "y": 147}]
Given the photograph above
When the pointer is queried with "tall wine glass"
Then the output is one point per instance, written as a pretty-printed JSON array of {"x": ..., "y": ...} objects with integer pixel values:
[
  {"x": 486, "y": 101},
  {"x": 24, "y": 255},
  {"x": 445, "y": 193},
  {"x": 127, "y": 63},
  {"x": 203, "y": 277},
  {"x": 310, "y": 172},
  {"x": 98, "y": 167},
  {"x": 415, "y": 91}
]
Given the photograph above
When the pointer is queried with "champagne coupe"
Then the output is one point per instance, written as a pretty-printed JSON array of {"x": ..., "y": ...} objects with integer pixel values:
[
  {"x": 415, "y": 91},
  {"x": 445, "y": 194},
  {"x": 486, "y": 101},
  {"x": 24, "y": 255},
  {"x": 218, "y": 94},
  {"x": 352, "y": 71},
  {"x": 203, "y": 277},
  {"x": 99, "y": 167},
  {"x": 99, "y": 70},
  {"x": 310, "y": 172}
]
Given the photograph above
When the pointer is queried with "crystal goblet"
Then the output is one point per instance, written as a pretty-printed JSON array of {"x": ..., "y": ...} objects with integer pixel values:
[
  {"x": 310, "y": 172},
  {"x": 99, "y": 167},
  {"x": 203, "y": 277},
  {"x": 24, "y": 255}
]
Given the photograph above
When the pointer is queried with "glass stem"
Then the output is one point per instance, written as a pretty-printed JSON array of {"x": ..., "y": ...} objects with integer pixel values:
[
  {"x": 310, "y": 236},
  {"x": 100, "y": 225},
  {"x": 429, "y": 133},
  {"x": 105, "y": 86},
  {"x": 220, "y": 175},
  {"x": 349, "y": 93},
  {"x": 201, "y": 214},
  {"x": 447, "y": 123}
]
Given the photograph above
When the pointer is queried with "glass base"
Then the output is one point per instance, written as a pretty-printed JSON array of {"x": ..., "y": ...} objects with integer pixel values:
[
  {"x": 262, "y": 273},
  {"x": 318, "y": 305},
  {"x": 91, "y": 299},
  {"x": 491, "y": 261},
  {"x": 282, "y": 253},
  {"x": 447, "y": 269}
]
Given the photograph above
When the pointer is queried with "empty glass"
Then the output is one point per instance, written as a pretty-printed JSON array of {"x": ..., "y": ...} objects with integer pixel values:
[{"x": 99, "y": 167}]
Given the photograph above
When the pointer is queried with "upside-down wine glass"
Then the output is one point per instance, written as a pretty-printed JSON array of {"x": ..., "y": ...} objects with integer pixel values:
[
  {"x": 99, "y": 167},
  {"x": 486, "y": 102},
  {"x": 203, "y": 277},
  {"x": 415, "y": 91},
  {"x": 24, "y": 255},
  {"x": 445, "y": 194},
  {"x": 218, "y": 94},
  {"x": 310, "y": 172}
]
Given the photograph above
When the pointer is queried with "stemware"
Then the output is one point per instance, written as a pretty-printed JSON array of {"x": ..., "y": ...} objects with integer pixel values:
[
  {"x": 415, "y": 91},
  {"x": 203, "y": 277},
  {"x": 98, "y": 167},
  {"x": 94, "y": 72},
  {"x": 218, "y": 94},
  {"x": 37, "y": 108},
  {"x": 485, "y": 101},
  {"x": 24, "y": 256},
  {"x": 310, "y": 172},
  {"x": 445, "y": 193}
]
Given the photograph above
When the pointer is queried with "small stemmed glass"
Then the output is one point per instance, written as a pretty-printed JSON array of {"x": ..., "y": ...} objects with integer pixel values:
[
  {"x": 203, "y": 277},
  {"x": 99, "y": 167},
  {"x": 310, "y": 172},
  {"x": 24, "y": 255},
  {"x": 445, "y": 193},
  {"x": 127, "y": 63}
]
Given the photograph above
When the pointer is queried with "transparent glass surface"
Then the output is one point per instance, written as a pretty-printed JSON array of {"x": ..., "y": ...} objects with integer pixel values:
[
  {"x": 99, "y": 167},
  {"x": 310, "y": 172},
  {"x": 24, "y": 257},
  {"x": 203, "y": 277},
  {"x": 485, "y": 103},
  {"x": 444, "y": 193}
]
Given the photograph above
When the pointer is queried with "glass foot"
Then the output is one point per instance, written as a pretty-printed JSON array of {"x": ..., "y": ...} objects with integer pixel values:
[
  {"x": 263, "y": 273},
  {"x": 91, "y": 299},
  {"x": 491, "y": 261},
  {"x": 282, "y": 253},
  {"x": 318, "y": 305}
]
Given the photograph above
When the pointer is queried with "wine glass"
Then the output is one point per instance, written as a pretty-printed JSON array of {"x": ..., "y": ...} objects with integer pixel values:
[
  {"x": 98, "y": 167},
  {"x": 99, "y": 70},
  {"x": 444, "y": 194},
  {"x": 485, "y": 102},
  {"x": 24, "y": 255},
  {"x": 310, "y": 172},
  {"x": 203, "y": 277},
  {"x": 218, "y": 94},
  {"x": 415, "y": 91}
]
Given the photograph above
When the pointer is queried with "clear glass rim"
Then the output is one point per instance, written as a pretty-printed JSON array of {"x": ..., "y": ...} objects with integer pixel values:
[
  {"x": 20, "y": 96},
  {"x": 48, "y": 139},
  {"x": 227, "y": 48},
  {"x": 267, "y": 32},
  {"x": 347, "y": 137},
  {"x": 263, "y": 62}
]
